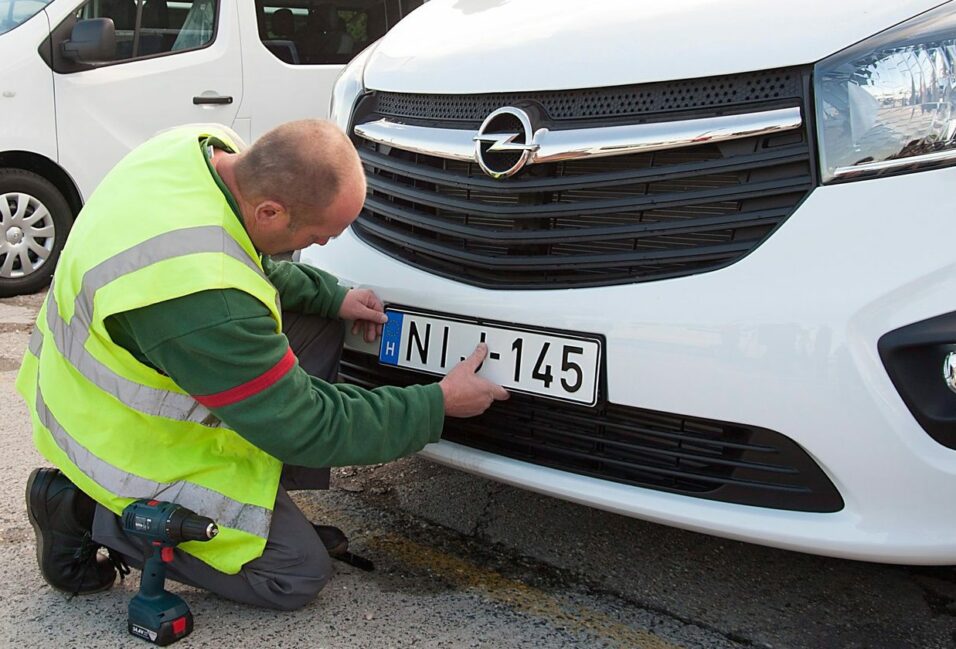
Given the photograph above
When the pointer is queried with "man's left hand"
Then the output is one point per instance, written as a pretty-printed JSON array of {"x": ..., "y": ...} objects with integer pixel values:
[{"x": 366, "y": 311}]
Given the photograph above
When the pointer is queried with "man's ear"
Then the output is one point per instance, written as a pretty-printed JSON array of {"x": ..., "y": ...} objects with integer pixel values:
[{"x": 269, "y": 214}]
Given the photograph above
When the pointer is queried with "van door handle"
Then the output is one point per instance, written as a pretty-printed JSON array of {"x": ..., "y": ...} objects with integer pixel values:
[{"x": 215, "y": 99}]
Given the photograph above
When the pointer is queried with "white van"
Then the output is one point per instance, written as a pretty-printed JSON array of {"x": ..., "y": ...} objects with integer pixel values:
[
  {"x": 84, "y": 81},
  {"x": 709, "y": 243}
]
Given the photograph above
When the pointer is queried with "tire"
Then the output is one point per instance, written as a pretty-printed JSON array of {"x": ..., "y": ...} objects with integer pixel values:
[{"x": 34, "y": 222}]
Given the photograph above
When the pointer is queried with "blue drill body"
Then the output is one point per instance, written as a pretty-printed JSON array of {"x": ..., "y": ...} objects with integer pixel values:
[{"x": 155, "y": 614}]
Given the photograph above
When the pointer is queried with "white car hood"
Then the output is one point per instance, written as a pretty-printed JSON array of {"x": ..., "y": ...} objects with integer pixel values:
[{"x": 475, "y": 46}]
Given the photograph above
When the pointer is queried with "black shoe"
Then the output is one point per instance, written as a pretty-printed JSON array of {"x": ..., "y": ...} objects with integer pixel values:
[
  {"x": 337, "y": 545},
  {"x": 62, "y": 518},
  {"x": 334, "y": 539}
]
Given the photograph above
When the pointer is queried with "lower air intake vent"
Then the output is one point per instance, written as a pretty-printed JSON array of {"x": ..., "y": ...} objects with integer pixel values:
[{"x": 709, "y": 459}]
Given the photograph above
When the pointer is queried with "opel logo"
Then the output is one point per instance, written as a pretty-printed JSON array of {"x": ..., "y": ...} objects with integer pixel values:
[{"x": 505, "y": 142}]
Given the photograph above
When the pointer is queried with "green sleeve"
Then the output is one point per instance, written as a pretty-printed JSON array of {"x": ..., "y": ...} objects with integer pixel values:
[
  {"x": 304, "y": 288},
  {"x": 214, "y": 341}
]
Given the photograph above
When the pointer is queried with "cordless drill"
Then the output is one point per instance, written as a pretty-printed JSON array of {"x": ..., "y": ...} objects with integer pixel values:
[{"x": 155, "y": 614}]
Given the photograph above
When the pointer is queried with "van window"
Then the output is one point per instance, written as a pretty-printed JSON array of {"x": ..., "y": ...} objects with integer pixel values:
[
  {"x": 15, "y": 12},
  {"x": 326, "y": 31},
  {"x": 151, "y": 27}
]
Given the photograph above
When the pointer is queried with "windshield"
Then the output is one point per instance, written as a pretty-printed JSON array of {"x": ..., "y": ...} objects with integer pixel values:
[{"x": 15, "y": 12}]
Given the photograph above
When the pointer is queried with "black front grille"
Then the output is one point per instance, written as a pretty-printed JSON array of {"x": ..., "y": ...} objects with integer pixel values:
[
  {"x": 687, "y": 455},
  {"x": 593, "y": 222},
  {"x": 603, "y": 103}
]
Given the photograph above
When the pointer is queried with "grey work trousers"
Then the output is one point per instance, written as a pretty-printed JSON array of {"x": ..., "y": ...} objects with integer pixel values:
[{"x": 294, "y": 566}]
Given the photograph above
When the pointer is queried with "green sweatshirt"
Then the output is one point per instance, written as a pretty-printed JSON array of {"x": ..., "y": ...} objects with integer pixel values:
[{"x": 217, "y": 341}]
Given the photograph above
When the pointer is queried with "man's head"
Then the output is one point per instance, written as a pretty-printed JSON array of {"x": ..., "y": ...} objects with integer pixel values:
[
  {"x": 300, "y": 183},
  {"x": 283, "y": 23}
]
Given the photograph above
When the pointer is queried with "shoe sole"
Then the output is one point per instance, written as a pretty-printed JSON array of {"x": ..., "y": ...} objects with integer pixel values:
[{"x": 41, "y": 479}]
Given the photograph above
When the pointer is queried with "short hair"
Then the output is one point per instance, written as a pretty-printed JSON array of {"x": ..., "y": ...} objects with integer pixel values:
[{"x": 300, "y": 164}]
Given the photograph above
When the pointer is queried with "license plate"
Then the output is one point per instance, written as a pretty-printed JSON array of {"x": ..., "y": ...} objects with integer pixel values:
[{"x": 536, "y": 361}]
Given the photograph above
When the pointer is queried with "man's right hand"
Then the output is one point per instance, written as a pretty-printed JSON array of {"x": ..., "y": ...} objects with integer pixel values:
[{"x": 466, "y": 393}]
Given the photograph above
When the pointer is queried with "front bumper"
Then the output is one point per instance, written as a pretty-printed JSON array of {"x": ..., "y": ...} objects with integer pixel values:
[{"x": 784, "y": 339}]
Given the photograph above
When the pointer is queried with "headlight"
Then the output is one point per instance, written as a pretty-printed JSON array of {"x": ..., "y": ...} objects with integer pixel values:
[
  {"x": 348, "y": 88},
  {"x": 888, "y": 104}
]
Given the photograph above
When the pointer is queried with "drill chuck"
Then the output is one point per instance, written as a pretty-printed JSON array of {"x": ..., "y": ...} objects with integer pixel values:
[{"x": 185, "y": 525}]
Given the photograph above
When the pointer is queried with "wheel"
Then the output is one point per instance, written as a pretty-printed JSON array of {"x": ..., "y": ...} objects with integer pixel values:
[{"x": 34, "y": 222}]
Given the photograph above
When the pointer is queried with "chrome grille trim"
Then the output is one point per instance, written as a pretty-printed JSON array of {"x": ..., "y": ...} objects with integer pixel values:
[{"x": 577, "y": 144}]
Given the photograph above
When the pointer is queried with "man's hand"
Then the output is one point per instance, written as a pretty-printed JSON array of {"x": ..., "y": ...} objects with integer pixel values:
[
  {"x": 364, "y": 308},
  {"x": 466, "y": 393}
]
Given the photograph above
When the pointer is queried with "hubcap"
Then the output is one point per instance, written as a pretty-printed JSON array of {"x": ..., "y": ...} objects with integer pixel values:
[
  {"x": 14, "y": 235},
  {"x": 27, "y": 235}
]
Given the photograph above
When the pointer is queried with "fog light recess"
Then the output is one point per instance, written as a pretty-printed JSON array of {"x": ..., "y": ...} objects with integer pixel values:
[{"x": 913, "y": 356}]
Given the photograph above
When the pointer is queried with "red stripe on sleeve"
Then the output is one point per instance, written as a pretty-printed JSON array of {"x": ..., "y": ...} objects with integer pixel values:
[{"x": 249, "y": 388}]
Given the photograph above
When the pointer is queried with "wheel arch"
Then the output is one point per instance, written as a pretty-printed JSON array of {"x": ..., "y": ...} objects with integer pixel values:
[{"x": 43, "y": 166}]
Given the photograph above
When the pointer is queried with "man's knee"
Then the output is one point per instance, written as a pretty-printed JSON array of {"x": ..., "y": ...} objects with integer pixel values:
[
  {"x": 295, "y": 585},
  {"x": 316, "y": 341},
  {"x": 302, "y": 328},
  {"x": 313, "y": 577}
]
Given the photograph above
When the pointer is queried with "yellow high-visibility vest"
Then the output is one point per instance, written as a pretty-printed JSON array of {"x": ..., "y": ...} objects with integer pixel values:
[{"x": 157, "y": 228}]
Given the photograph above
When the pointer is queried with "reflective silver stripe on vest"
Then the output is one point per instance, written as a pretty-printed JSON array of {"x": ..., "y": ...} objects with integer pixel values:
[
  {"x": 70, "y": 339},
  {"x": 225, "y": 511},
  {"x": 36, "y": 342}
]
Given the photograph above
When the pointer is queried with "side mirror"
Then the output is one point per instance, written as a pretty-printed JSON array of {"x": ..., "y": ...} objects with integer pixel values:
[{"x": 91, "y": 40}]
